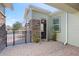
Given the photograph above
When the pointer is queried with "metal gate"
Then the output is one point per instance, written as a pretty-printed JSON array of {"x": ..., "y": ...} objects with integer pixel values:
[
  {"x": 31, "y": 34},
  {"x": 18, "y": 37}
]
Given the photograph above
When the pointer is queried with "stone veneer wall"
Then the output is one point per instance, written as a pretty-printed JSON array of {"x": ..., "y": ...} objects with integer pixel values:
[
  {"x": 35, "y": 30},
  {"x": 3, "y": 34},
  {"x": 3, "y": 37}
]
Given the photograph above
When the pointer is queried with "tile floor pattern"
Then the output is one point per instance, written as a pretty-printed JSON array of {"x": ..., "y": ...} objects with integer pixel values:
[{"x": 41, "y": 49}]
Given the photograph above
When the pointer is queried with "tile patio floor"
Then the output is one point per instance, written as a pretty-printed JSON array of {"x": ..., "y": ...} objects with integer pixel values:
[{"x": 41, "y": 49}]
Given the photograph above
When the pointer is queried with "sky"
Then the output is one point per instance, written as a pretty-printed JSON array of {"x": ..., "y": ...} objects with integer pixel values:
[{"x": 17, "y": 14}]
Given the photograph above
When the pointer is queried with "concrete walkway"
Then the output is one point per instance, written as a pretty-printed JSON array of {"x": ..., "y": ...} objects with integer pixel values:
[{"x": 41, "y": 49}]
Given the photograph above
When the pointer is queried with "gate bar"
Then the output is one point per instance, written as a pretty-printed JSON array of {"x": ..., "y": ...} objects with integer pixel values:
[
  {"x": 6, "y": 39},
  {"x": 25, "y": 36},
  {"x": 13, "y": 37}
]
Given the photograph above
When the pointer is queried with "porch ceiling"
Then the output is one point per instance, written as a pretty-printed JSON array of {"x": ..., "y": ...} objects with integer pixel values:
[
  {"x": 68, "y": 7},
  {"x": 40, "y": 10},
  {"x": 8, "y": 5},
  {"x": 74, "y": 5}
]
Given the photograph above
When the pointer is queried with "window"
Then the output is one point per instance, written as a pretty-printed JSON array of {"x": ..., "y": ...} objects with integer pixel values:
[{"x": 56, "y": 24}]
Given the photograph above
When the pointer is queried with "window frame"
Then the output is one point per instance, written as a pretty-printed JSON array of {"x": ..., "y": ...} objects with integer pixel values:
[{"x": 57, "y": 17}]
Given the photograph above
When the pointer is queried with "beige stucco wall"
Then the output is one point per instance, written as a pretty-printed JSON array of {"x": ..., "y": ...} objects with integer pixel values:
[
  {"x": 61, "y": 36},
  {"x": 73, "y": 29},
  {"x": 50, "y": 25},
  {"x": 38, "y": 15}
]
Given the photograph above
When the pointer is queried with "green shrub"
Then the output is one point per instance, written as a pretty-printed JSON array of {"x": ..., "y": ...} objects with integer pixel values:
[{"x": 36, "y": 38}]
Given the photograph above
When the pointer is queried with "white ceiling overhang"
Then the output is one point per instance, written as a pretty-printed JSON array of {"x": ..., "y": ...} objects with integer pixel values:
[
  {"x": 71, "y": 8},
  {"x": 8, "y": 5}
]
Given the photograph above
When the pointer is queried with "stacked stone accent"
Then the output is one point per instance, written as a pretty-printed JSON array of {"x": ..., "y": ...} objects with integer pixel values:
[
  {"x": 3, "y": 33},
  {"x": 3, "y": 37}
]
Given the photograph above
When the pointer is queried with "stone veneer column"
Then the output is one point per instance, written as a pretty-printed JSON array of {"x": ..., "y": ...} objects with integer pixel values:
[{"x": 3, "y": 33}]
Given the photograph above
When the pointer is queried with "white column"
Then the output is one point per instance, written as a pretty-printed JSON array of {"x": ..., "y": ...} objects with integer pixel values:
[
  {"x": 66, "y": 41},
  {"x": 47, "y": 28}
]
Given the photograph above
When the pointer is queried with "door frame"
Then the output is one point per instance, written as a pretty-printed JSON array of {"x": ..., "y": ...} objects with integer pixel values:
[{"x": 46, "y": 29}]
